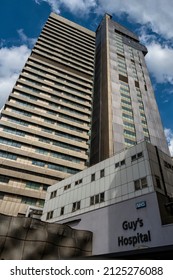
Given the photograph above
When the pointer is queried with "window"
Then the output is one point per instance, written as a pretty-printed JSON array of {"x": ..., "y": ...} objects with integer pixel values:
[
  {"x": 76, "y": 206},
  {"x": 66, "y": 135},
  {"x": 45, "y": 140},
  {"x": 78, "y": 182},
  {"x": 48, "y": 130},
  {"x": 131, "y": 125},
  {"x": 45, "y": 187},
  {"x": 144, "y": 182},
  {"x": 122, "y": 78},
  {"x": 22, "y": 112},
  {"x": 140, "y": 183},
  {"x": 102, "y": 173},
  {"x": 129, "y": 142},
  {"x": 66, "y": 146},
  {"x": 64, "y": 157},
  {"x": 98, "y": 198},
  {"x": 126, "y": 102},
  {"x": 137, "y": 156},
  {"x": 13, "y": 131},
  {"x": 62, "y": 168},
  {"x": 4, "y": 179},
  {"x": 158, "y": 183},
  {"x": 127, "y": 116},
  {"x": 168, "y": 165},
  {"x": 38, "y": 163},
  {"x": 10, "y": 142},
  {"x": 62, "y": 211},
  {"x": 92, "y": 177},
  {"x": 8, "y": 155},
  {"x": 102, "y": 197},
  {"x": 121, "y": 163},
  {"x": 67, "y": 187},
  {"x": 134, "y": 157},
  {"x": 53, "y": 194},
  {"x": 145, "y": 130},
  {"x": 49, "y": 215},
  {"x": 29, "y": 200},
  {"x": 129, "y": 132},
  {"x": 137, "y": 185},
  {"x": 33, "y": 185},
  {"x": 41, "y": 151},
  {"x": 146, "y": 138},
  {"x": 127, "y": 109},
  {"x": 2, "y": 194}
]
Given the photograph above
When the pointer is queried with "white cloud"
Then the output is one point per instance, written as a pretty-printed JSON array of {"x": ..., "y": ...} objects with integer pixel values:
[
  {"x": 25, "y": 39},
  {"x": 54, "y": 4},
  {"x": 160, "y": 62},
  {"x": 74, "y": 6},
  {"x": 169, "y": 137},
  {"x": 159, "y": 58},
  {"x": 156, "y": 13},
  {"x": 12, "y": 61}
]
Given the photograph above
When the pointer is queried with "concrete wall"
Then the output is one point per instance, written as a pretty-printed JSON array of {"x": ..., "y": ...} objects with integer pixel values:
[
  {"x": 27, "y": 238},
  {"x": 109, "y": 225}
]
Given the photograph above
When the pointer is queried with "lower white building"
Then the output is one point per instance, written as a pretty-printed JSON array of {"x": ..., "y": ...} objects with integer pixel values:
[{"x": 125, "y": 200}]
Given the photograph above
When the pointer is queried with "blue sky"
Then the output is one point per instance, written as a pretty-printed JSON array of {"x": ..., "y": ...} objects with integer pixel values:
[{"x": 21, "y": 22}]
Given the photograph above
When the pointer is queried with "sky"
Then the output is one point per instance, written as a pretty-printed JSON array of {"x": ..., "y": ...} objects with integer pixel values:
[{"x": 21, "y": 22}]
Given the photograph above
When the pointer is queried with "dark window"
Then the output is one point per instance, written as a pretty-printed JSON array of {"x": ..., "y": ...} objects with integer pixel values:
[
  {"x": 33, "y": 185},
  {"x": 4, "y": 179},
  {"x": 53, "y": 194},
  {"x": 123, "y": 78},
  {"x": 117, "y": 165},
  {"x": 38, "y": 163},
  {"x": 140, "y": 183},
  {"x": 122, "y": 162},
  {"x": 92, "y": 200},
  {"x": 76, "y": 206},
  {"x": 78, "y": 182},
  {"x": 98, "y": 198},
  {"x": 102, "y": 197},
  {"x": 144, "y": 182},
  {"x": 67, "y": 187},
  {"x": 62, "y": 211},
  {"x": 133, "y": 157},
  {"x": 136, "y": 84},
  {"x": 137, "y": 185},
  {"x": 102, "y": 173},
  {"x": 139, "y": 155},
  {"x": 158, "y": 183},
  {"x": 49, "y": 215},
  {"x": 92, "y": 177}
]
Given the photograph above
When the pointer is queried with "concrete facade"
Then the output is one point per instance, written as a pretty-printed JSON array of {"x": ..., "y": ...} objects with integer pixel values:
[
  {"x": 124, "y": 106},
  {"x": 45, "y": 124},
  {"x": 30, "y": 239},
  {"x": 123, "y": 200}
]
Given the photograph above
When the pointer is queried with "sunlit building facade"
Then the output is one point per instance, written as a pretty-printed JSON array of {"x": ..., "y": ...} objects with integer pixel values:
[
  {"x": 45, "y": 123},
  {"x": 81, "y": 98}
]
